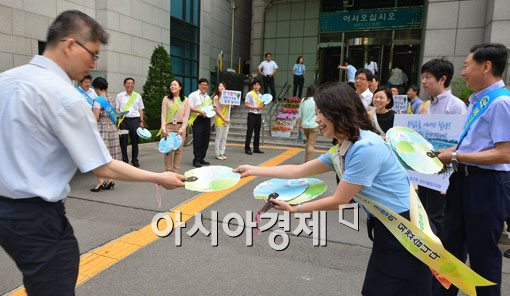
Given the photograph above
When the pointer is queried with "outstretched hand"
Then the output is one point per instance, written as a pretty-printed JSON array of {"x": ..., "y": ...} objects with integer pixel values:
[
  {"x": 281, "y": 205},
  {"x": 172, "y": 180},
  {"x": 245, "y": 170}
]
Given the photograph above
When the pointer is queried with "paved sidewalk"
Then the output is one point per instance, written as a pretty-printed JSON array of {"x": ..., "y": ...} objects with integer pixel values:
[{"x": 139, "y": 264}]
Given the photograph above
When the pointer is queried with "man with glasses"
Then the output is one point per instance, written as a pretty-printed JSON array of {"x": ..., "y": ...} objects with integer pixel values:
[
  {"x": 47, "y": 134},
  {"x": 361, "y": 83},
  {"x": 131, "y": 101},
  {"x": 200, "y": 123}
]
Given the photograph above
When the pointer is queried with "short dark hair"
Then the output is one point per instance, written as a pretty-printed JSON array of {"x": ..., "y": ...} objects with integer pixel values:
[
  {"x": 311, "y": 90},
  {"x": 86, "y": 77},
  {"x": 348, "y": 61},
  {"x": 255, "y": 81},
  {"x": 439, "y": 68},
  {"x": 341, "y": 105},
  {"x": 495, "y": 53},
  {"x": 388, "y": 94},
  {"x": 414, "y": 87},
  {"x": 202, "y": 80},
  {"x": 367, "y": 73},
  {"x": 298, "y": 58},
  {"x": 267, "y": 53},
  {"x": 100, "y": 83},
  {"x": 77, "y": 23},
  {"x": 129, "y": 78}
]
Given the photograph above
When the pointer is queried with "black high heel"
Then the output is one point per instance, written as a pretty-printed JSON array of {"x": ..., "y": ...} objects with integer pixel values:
[
  {"x": 109, "y": 186},
  {"x": 97, "y": 188}
]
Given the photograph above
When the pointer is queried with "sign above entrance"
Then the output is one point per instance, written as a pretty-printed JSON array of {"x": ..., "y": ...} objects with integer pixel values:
[{"x": 370, "y": 19}]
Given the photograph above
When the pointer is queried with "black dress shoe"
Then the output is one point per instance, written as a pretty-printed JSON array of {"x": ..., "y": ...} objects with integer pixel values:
[
  {"x": 204, "y": 162},
  {"x": 136, "y": 164},
  {"x": 247, "y": 151},
  {"x": 196, "y": 164},
  {"x": 507, "y": 253},
  {"x": 258, "y": 151}
]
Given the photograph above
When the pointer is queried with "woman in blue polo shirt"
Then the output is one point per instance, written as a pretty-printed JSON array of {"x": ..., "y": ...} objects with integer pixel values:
[
  {"x": 371, "y": 169},
  {"x": 299, "y": 76}
]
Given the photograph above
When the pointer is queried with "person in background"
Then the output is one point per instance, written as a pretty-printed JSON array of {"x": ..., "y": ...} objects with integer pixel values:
[
  {"x": 414, "y": 101},
  {"x": 350, "y": 70},
  {"x": 363, "y": 76},
  {"x": 478, "y": 198},
  {"x": 267, "y": 69},
  {"x": 222, "y": 122},
  {"x": 371, "y": 65},
  {"x": 130, "y": 100},
  {"x": 299, "y": 76},
  {"x": 200, "y": 122},
  {"x": 382, "y": 117},
  {"x": 306, "y": 121},
  {"x": 371, "y": 169},
  {"x": 373, "y": 84},
  {"x": 86, "y": 90},
  {"x": 394, "y": 91},
  {"x": 436, "y": 77},
  {"x": 37, "y": 166},
  {"x": 107, "y": 128},
  {"x": 255, "y": 106},
  {"x": 175, "y": 110}
]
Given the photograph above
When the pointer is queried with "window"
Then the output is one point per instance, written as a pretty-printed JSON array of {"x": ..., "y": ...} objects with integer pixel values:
[{"x": 184, "y": 42}]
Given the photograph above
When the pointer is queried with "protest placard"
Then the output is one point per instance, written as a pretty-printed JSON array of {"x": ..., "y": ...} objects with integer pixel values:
[{"x": 230, "y": 97}]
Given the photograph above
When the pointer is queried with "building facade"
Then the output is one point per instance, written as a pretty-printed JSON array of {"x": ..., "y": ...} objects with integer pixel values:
[
  {"x": 396, "y": 33},
  {"x": 136, "y": 27}
]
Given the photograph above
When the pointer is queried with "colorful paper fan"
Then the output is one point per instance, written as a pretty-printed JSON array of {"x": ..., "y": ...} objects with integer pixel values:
[
  {"x": 315, "y": 188},
  {"x": 143, "y": 133},
  {"x": 283, "y": 189},
  {"x": 209, "y": 111},
  {"x": 413, "y": 151},
  {"x": 416, "y": 156},
  {"x": 211, "y": 178},
  {"x": 267, "y": 98}
]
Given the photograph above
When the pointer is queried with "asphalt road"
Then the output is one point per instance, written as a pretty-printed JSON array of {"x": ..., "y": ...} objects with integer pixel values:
[{"x": 196, "y": 267}]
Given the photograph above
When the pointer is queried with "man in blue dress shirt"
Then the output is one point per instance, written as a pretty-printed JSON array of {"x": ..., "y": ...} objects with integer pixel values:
[
  {"x": 478, "y": 198},
  {"x": 47, "y": 134}
]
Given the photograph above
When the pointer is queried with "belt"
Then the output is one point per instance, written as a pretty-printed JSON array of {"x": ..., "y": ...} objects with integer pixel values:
[
  {"x": 468, "y": 169},
  {"x": 30, "y": 200},
  {"x": 175, "y": 123},
  {"x": 131, "y": 118}
]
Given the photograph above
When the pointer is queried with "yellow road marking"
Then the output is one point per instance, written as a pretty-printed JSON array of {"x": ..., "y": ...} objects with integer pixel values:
[
  {"x": 278, "y": 147},
  {"x": 100, "y": 259}
]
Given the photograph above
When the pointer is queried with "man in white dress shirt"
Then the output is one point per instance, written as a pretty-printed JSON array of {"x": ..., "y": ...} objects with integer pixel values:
[
  {"x": 267, "y": 69},
  {"x": 59, "y": 135}
]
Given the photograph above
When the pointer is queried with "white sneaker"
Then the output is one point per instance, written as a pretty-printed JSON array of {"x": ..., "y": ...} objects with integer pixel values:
[
  {"x": 219, "y": 157},
  {"x": 224, "y": 157}
]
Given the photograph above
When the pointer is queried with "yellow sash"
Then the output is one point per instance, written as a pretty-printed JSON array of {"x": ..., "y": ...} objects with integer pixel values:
[
  {"x": 416, "y": 235},
  {"x": 425, "y": 107},
  {"x": 128, "y": 106},
  {"x": 194, "y": 116},
  {"x": 170, "y": 113},
  {"x": 255, "y": 96},
  {"x": 224, "y": 112}
]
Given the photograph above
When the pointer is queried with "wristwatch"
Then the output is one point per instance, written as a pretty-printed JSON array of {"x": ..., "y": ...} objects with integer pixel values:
[{"x": 455, "y": 161}]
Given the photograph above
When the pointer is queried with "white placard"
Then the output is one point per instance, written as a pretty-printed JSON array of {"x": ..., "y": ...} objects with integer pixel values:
[
  {"x": 400, "y": 104},
  {"x": 442, "y": 131},
  {"x": 230, "y": 97}
]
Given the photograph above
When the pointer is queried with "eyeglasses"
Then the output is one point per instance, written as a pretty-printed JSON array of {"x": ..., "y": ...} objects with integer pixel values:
[
  {"x": 94, "y": 56},
  {"x": 361, "y": 78}
]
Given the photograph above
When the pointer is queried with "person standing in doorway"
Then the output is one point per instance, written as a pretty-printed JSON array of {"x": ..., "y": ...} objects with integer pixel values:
[
  {"x": 351, "y": 72},
  {"x": 267, "y": 69},
  {"x": 131, "y": 101},
  {"x": 200, "y": 123},
  {"x": 299, "y": 76},
  {"x": 255, "y": 106},
  {"x": 371, "y": 65}
]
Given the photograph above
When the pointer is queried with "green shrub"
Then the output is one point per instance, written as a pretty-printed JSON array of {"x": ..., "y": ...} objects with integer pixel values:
[
  {"x": 459, "y": 89},
  {"x": 156, "y": 86}
]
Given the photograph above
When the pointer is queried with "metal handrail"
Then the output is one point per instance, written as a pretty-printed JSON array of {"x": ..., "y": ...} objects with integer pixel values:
[{"x": 275, "y": 106}]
